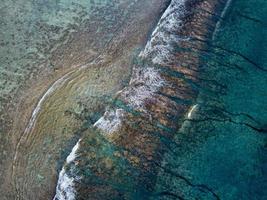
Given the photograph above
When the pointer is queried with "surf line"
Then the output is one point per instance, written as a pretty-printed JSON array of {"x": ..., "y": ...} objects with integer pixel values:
[
  {"x": 65, "y": 185},
  {"x": 56, "y": 85}
]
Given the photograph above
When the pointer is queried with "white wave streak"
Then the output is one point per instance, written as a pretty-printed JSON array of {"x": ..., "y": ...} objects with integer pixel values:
[
  {"x": 37, "y": 109},
  {"x": 160, "y": 47},
  {"x": 35, "y": 112},
  {"x": 191, "y": 111},
  {"x": 111, "y": 121},
  {"x": 144, "y": 84},
  {"x": 65, "y": 186}
]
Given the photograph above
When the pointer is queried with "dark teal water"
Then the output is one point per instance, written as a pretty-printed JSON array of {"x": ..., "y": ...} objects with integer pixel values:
[{"x": 222, "y": 152}]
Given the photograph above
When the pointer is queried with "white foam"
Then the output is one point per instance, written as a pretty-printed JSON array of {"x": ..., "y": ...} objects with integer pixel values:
[
  {"x": 37, "y": 109},
  {"x": 161, "y": 45},
  {"x": 65, "y": 186},
  {"x": 111, "y": 121},
  {"x": 191, "y": 111},
  {"x": 72, "y": 155},
  {"x": 144, "y": 83}
]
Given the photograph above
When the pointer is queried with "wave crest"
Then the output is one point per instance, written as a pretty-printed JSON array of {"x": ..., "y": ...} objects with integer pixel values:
[{"x": 161, "y": 45}]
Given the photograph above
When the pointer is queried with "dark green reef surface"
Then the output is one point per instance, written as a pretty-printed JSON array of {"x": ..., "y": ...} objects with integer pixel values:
[{"x": 133, "y": 100}]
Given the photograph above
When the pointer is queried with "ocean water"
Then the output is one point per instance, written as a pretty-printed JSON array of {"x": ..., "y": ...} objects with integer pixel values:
[{"x": 222, "y": 150}]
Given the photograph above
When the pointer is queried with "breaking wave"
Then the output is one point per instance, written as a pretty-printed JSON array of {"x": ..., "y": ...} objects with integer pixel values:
[
  {"x": 143, "y": 85},
  {"x": 111, "y": 121},
  {"x": 65, "y": 186},
  {"x": 145, "y": 82},
  {"x": 161, "y": 45}
]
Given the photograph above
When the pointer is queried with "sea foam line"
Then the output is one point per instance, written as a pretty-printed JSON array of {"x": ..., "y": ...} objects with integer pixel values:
[
  {"x": 35, "y": 112},
  {"x": 145, "y": 82},
  {"x": 111, "y": 121},
  {"x": 160, "y": 47},
  {"x": 37, "y": 109},
  {"x": 191, "y": 111},
  {"x": 65, "y": 189},
  {"x": 58, "y": 83}
]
